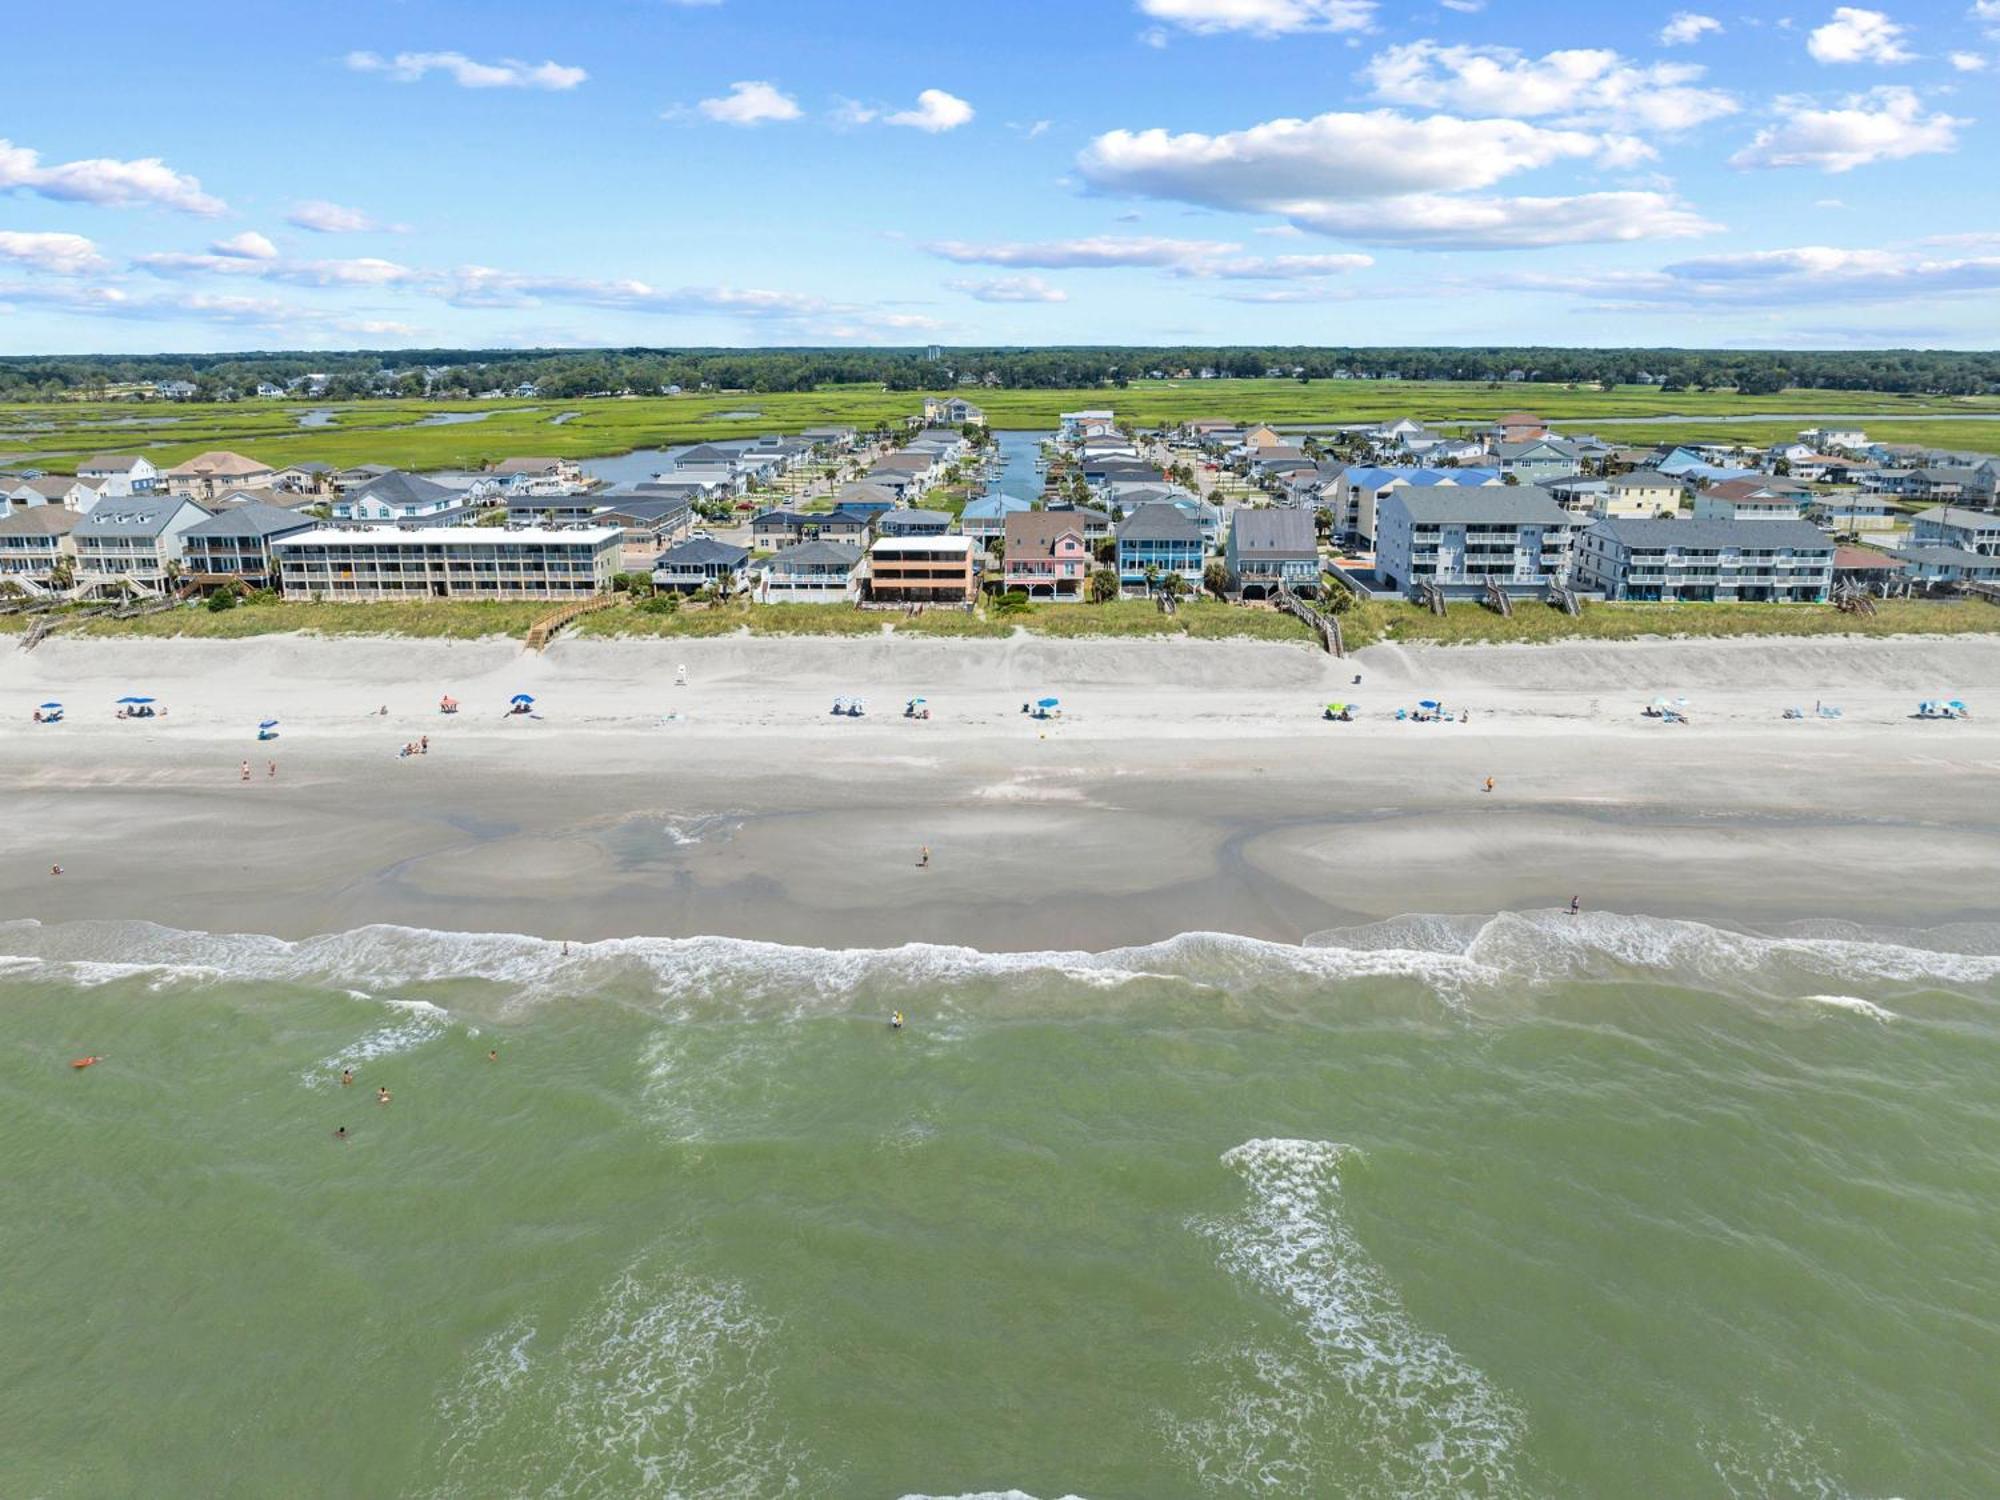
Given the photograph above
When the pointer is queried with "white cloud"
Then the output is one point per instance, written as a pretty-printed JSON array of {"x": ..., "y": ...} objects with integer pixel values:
[
  {"x": 1277, "y": 267},
  {"x": 1884, "y": 124},
  {"x": 249, "y": 245},
  {"x": 1968, "y": 62},
  {"x": 1465, "y": 7},
  {"x": 1265, "y": 18},
  {"x": 1282, "y": 295},
  {"x": 1443, "y": 222},
  {"x": 1096, "y": 252},
  {"x": 1283, "y": 163},
  {"x": 59, "y": 254},
  {"x": 1580, "y": 86},
  {"x": 1985, "y": 10},
  {"x": 751, "y": 102},
  {"x": 322, "y": 217},
  {"x": 485, "y": 286},
  {"x": 1687, "y": 27},
  {"x": 936, "y": 111},
  {"x": 364, "y": 271},
  {"x": 107, "y": 182},
  {"x": 1855, "y": 35},
  {"x": 1793, "y": 277},
  {"x": 466, "y": 72},
  {"x": 1010, "y": 289}
]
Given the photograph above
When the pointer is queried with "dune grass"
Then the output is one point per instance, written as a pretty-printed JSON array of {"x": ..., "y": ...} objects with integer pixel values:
[
  {"x": 424, "y": 619},
  {"x": 1533, "y": 623}
]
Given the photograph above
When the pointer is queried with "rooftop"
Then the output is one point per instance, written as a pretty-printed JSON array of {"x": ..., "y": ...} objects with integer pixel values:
[
  {"x": 1478, "y": 505},
  {"x": 396, "y": 536},
  {"x": 1706, "y": 536}
]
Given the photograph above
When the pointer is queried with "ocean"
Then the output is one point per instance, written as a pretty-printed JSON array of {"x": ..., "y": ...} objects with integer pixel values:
[{"x": 1524, "y": 1205}]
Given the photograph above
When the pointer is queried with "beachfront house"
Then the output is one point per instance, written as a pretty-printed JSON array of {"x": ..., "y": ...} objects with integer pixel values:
[
  {"x": 1537, "y": 459},
  {"x": 135, "y": 539},
  {"x": 1272, "y": 550},
  {"x": 913, "y": 523},
  {"x": 815, "y": 572},
  {"x": 1750, "y": 500},
  {"x": 647, "y": 524},
  {"x": 1459, "y": 538},
  {"x": 1954, "y": 526},
  {"x": 204, "y": 475},
  {"x": 698, "y": 563},
  {"x": 1077, "y": 425},
  {"x": 1849, "y": 511},
  {"x": 923, "y": 570},
  {"x": 1783, "y": 562},
  {"x": 1948, "y": 565},
  {"x": 539, "y": 476},
  {"x": 343, "y": 564},
  {"x": 403, "y": 499},
  {"x": 33, "y": 544},
  {"x": 1045, "y": 555},
  {"x": 1355, "y": 497},
  {"x": 985, "y": 519},
  {"x": 118, "y": 474},
  {"x": 59, "y": 490},
  {"x": 1639, "y": 495},
  {"x": 1157, "y": 540},
  {"x": 234, "y": 545}
]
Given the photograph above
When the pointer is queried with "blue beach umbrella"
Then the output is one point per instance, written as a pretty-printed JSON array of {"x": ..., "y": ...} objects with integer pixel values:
[
  {"x": 51, "y": 705},
  {"x": 135, "y": 700},
  {"x": 268, "y": 724},
  {"x": 523, "y": 698},
  {"x": 1046, "y": 702},
  {"x": 1428, "y": 703}
]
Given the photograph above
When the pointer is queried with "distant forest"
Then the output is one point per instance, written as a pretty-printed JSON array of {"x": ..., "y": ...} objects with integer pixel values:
[{"x": 569, "y": 373}]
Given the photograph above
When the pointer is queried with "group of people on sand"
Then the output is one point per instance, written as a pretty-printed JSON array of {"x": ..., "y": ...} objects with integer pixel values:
[
  {"x": 419, "y": 746},
  {"x": 140, "y": 711},
  {"x": 270, "y": 770}
]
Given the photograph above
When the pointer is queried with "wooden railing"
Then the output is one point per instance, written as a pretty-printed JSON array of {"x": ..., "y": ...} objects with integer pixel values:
[{"x": 546, "y": 628}]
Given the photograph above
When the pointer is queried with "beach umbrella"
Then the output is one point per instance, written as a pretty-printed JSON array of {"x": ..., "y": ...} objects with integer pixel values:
[
  {"x": 1957, "y": 704},
  {"x": 523, "y": 698},
  {"x": 135, "y": 700},
  {"x": 1428, "y": 703},
  {"x": 920, "y": 700},
  {"x": 51, "y": 705},
  {"x": 268, "y": 724},
  {"x": 1046, "y": 702}
]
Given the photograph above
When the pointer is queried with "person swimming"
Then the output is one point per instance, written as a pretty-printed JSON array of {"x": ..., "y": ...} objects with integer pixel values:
[
  {"x": 896, "y": 1021},
  {"x": 340, "y": 1133},
  {"x": 493, "y": 1054},
  {"x": 347, "y": 1078},
  {"x": 382, "y": 1095}
]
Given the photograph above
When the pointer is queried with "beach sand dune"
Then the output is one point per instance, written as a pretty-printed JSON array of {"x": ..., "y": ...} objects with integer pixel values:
[{"x": 1186, "y": 786}]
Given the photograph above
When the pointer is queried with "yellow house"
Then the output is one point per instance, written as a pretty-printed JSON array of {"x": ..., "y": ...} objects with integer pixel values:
[{"x": 1638, "y": 496}]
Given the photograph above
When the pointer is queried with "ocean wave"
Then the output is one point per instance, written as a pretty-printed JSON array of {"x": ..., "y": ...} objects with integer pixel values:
[
  {"x": 1371, "y": 1387},
  {"x": 662, "y": 1388},
  {"x": 1455, "y": 958}
]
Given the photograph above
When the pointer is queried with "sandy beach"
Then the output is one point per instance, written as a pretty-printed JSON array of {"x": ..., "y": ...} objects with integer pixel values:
[{"x": 1186, "y": 787}]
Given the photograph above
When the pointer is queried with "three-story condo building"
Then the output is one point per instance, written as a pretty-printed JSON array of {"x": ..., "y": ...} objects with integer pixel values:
[
  {"x": 447, "y": 562},
  {"x": 1780, "y": 562},
  {"x": 1460, "y": 538}
]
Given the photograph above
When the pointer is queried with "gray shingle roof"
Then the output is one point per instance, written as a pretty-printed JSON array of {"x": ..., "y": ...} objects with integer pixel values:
[
  {"x": 253, "y": 519},
  {"x": 1279, "y": 533},
  {"x": 702, "y": 552},
  {"x": 1800, "y": 536},
  {"x": 399, "y": 488},
  {"x": 1158, "y": 523},
  {"x": 135, "y": 515},
  {"x": 817, "y": 553},
  {"x": 1478, "y": 505}
]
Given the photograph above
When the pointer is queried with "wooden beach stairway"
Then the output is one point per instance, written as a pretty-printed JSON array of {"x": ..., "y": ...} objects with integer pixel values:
[{"x": 550, "y": 625}]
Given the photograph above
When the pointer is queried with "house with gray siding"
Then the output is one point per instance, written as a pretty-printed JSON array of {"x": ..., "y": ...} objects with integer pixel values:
[
  {"x": 1271, "y": 550},
  {"x": 1779, "y": 562},
  {"x": 1461, "y": 537}
]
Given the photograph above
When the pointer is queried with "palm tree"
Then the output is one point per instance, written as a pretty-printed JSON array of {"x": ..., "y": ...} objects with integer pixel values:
[{"x": 1174, "y": 586}]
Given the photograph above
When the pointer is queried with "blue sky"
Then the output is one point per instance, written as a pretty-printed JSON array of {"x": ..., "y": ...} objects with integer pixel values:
[{"x": 673, "y": 172}]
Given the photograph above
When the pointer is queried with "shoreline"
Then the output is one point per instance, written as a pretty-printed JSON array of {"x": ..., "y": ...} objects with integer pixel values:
[{"x": 1190, "y": 786}]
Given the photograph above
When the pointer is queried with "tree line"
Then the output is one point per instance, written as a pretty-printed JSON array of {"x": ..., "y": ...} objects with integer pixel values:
[{"x": 576, "y": 374}]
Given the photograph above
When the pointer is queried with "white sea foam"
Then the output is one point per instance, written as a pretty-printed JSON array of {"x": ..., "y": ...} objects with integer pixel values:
[
  {"x": 662, "y": 1389},
  {"x": 420, "y": 1023},
  {"x": 1856, "y": 1004},
  {"x": 1779, "y": 1463},
  {"x": 1455, "y": 958},
  {"x": 1369, "y": 1385}
]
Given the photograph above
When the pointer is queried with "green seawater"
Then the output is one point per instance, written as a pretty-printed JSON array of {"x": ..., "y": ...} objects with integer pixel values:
[{"x": 1510, "y": 1207}]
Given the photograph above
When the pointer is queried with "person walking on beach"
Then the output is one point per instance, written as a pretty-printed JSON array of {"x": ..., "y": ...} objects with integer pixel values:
[
  {"x": 271, "y": 770},
  {"x": 55, "y": 869},
  {"x": 924, "y": 857},
  {"x": 246, "y": 770},
  {"x": 424, "y": 745},
  {"x": 1489, "y": 783}
]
